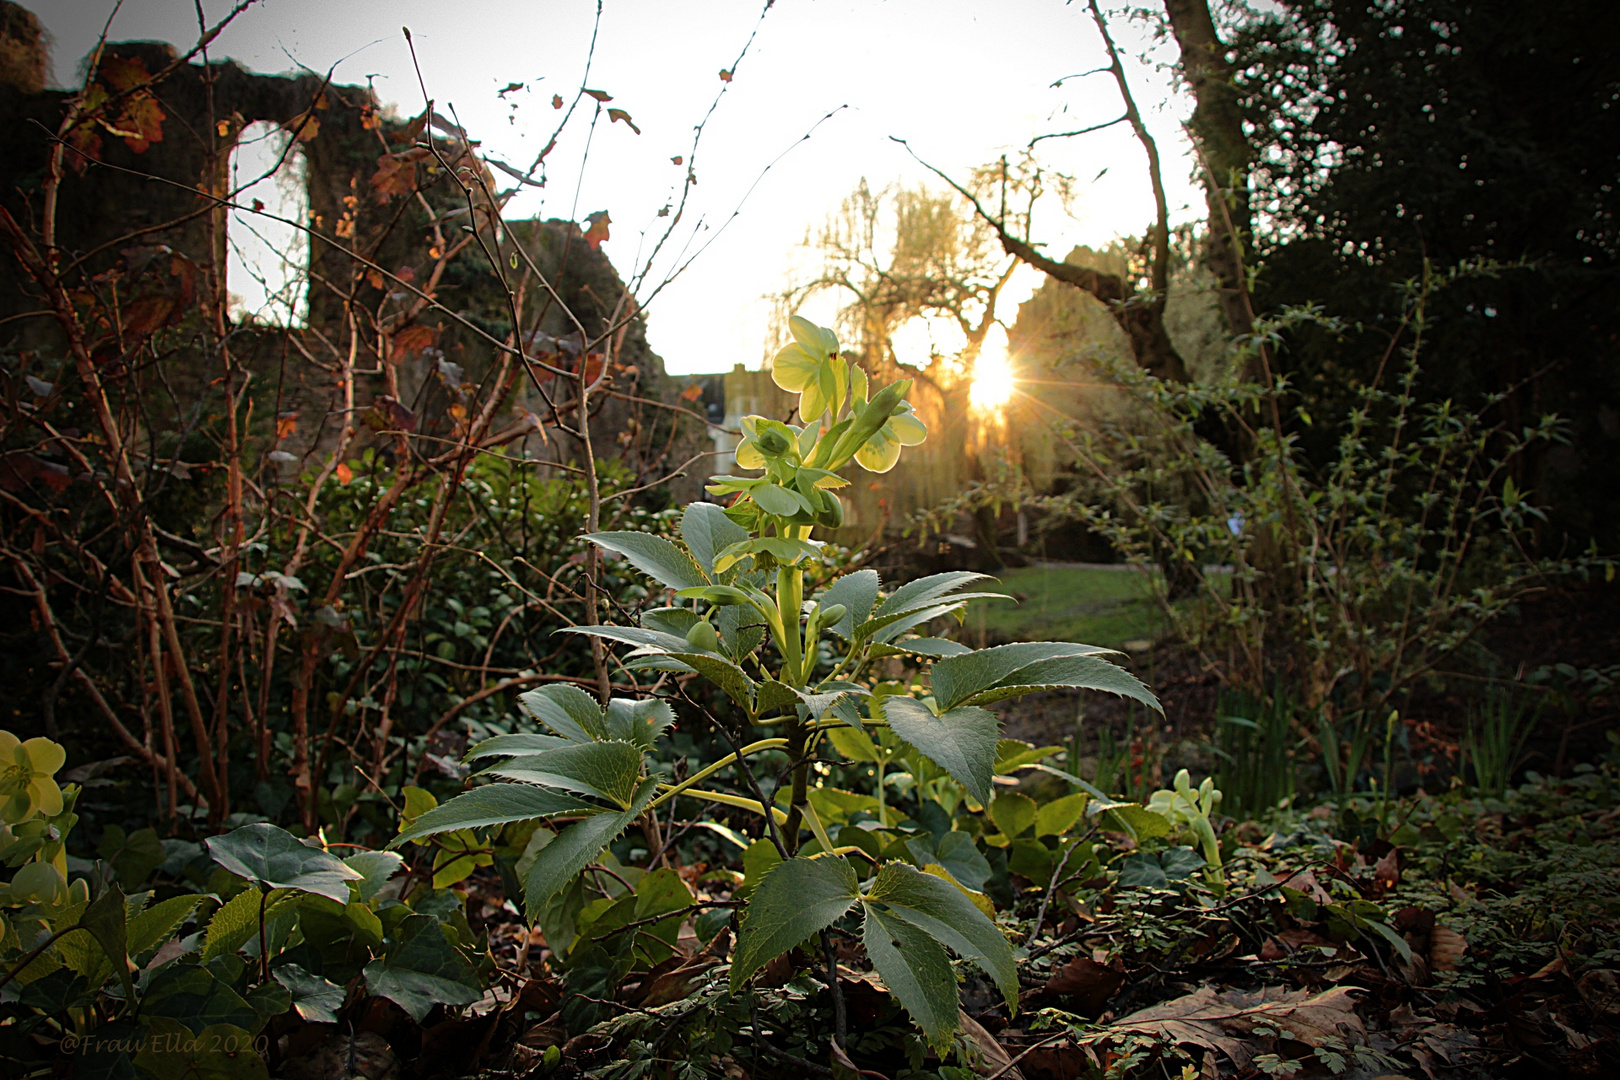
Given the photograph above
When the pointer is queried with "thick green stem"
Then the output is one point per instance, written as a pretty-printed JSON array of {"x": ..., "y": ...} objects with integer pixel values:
[
  {"x": 704, "y": 773},
  {"x": 790, "y": 605}
]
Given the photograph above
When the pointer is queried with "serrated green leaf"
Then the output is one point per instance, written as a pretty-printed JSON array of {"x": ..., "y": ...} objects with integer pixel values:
[
  {"x": 940, "y": 909},
  {"x": 105, "y": 919},
  {"x": 567, "y": 710},
  {"x": 519, "y": 745},
  {"x": 608, "y": 770},
  {"x": 1082, "y": 672},
  {"x": 858, "y": 593},
  {"x": 707, "y": 532},
  {"x": 915, "y": 968},
  {"x": 670, "y": 620},
  {"x": 274, "y": 857},
  {"x": 958, "y": 678},
  {"x": 421, "y": 968},
  {"x": 157, "y": 922},
  {"x": 654, "y": 556},
  {"x": 925, "y": 590},
  {"x": 629, "y": 635},
  {"x": 638, "y": 722},
  {"x": 237, "y": 920},
  {"x": 889, "y": 626},
  {"x": 571, "y": 850},
  {"x": 493, "y": 804},
  {"x": 723, "y": 673},
  {"x": 795, "y": 900},
  {"x": 938, "y": 648},
  {"x": 775, "y": 695},
  {"x": 961, "y": 741}
]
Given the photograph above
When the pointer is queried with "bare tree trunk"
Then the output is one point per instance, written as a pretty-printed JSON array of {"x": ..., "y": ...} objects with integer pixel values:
[{"x": 1224, "y": 151}]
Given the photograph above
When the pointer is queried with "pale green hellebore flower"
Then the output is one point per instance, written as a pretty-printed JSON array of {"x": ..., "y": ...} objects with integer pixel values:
[
  {"x": 26, "y": 784},
  {"x": 811, "y": 367},
  {"x": 882, "y": 450}
]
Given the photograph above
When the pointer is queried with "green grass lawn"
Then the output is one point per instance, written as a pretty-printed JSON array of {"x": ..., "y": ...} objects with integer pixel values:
[{"x": 1070, "y": 603}]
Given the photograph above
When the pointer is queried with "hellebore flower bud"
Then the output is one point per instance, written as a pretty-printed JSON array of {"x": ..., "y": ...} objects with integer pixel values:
[{"x": 702, "y": 636}]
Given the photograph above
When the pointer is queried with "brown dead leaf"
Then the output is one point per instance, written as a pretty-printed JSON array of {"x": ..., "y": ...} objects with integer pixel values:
[
  {"x": 1387, "y": 870},
  {"x": 598, "y": 231},
  {"x": 1086, "y": 984},
  {"x": 1226, "y": 1022},
  {"x": 1289, "y": 942},
  {"x": 1446, "y": 948},
  {"x": 993, "y": 1057},
  {"x": 673, "y": 985},
  {"x": 395, "y": 175},
  {"x": 366, "y": 1056},
  {"x": 841, "y": 1059},
  {"x": 286, "y": 424},
  {"x": 620, "y": 114},
  {"x": 1305, "y": 881},
  {"x": 725, "y": 75},
  {"x": 411, "y": 340},
  {"x": 1601, "y": 992},
  {"x": 345, "y": 474}
]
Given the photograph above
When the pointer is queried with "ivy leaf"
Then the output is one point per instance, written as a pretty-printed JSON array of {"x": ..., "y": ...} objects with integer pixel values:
[
  {"x": 172, "y": 1050},
  {"x": 316, "y": 999},
  {"x": 794, "y": 901},
  {"x": 274, "y": 858},
  {"x": 915, "y": 967},
  {"x": 421, "y": 968},
  {"x": 939, "y": 908},
  {"x": 654, "y": 556},
  {"x": 493, "y": 804},
  {"x": 376, "y": 867},
  {"x": 960, "y": 741}
]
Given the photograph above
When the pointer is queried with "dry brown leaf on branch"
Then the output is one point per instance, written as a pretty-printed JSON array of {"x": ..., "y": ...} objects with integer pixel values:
[
  {"x": 1226, "y": 1022},
  {"x": 598, "y": 231},
  {"x": 410, "y": 340}
]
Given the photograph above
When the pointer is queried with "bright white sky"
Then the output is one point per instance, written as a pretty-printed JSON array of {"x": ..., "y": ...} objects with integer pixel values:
[{"x": 963, "y": 81}]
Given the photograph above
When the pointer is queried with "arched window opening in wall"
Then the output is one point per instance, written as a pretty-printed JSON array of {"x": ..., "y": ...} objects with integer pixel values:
[{"x": 267, "y": 272}]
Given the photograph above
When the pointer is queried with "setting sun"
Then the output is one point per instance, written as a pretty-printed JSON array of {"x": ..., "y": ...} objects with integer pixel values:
[{"x": 992, "y": 374}]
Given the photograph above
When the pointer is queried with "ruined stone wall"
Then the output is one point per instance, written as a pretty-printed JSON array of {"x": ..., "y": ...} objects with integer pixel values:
[{"x": 152, "y": 193}]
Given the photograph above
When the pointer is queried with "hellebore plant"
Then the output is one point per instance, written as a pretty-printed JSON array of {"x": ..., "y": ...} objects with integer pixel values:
[{"x": 794, "y": 669}]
